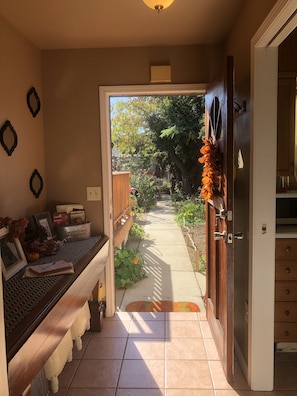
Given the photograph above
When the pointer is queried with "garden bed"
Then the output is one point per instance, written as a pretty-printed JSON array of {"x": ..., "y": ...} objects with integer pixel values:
[{"x": 195, "y": 238}]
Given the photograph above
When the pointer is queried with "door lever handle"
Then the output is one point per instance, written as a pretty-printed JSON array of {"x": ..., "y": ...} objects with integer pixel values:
[
  {"x": 219, "y": 235},
  {"x": 221, "y": 214},
  {"x": 238, "y": 235}
]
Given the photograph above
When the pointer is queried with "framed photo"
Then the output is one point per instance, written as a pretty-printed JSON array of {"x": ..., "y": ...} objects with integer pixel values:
[
  {"x": 44, "y": 220},
  {"x": 12, "y": 255}
]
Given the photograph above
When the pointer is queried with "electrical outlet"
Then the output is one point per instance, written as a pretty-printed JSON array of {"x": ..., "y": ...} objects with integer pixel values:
[{"x": 93, "y": 193}]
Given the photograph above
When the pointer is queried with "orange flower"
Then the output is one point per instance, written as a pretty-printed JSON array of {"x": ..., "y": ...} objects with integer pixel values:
[{"x": 135, "y": 261}]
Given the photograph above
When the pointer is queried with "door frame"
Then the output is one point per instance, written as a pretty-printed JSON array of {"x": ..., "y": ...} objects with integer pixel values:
[
  {"x": 264, "y": 73},
  {"x": 105, "y": 92}
]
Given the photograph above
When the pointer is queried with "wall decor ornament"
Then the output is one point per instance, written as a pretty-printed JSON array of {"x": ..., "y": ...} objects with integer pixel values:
[
  {"x": 212, "y": 170},
  {"x": 8, "y": 137},
  {"x": 36, "y": 183},
  {"x": 33, "y": 101}
]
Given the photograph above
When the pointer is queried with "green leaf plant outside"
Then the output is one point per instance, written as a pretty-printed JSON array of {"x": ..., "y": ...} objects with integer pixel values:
[{"x": 128, "y": 264}]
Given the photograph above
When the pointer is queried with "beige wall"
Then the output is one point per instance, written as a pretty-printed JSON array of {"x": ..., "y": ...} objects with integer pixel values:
[
  {"x": 20, "y": 69},
  {"x": 70, "y": 84}
]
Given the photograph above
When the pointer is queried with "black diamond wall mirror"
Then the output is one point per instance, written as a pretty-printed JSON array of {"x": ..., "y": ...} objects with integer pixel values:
[
  {"x": 36, "y": 183},
  {"x": 33, "y": 101},
  {"x": 8, "y": 137}
]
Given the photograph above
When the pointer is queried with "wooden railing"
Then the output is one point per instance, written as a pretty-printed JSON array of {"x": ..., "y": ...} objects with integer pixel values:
[{"x": 122, "y": 220}]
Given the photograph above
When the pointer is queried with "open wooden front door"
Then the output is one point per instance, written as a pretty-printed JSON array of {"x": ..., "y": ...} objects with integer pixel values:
[{"x": 219, "y": 220}]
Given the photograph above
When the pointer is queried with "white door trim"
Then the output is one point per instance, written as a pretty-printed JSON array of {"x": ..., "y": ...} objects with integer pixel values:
[
  {"x": 105, "y": 92},
  {"x": 264, "y": 69}
]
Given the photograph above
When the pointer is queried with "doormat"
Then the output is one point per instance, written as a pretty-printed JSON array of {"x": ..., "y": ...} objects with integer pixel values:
[{"x": 162, "y": 306}]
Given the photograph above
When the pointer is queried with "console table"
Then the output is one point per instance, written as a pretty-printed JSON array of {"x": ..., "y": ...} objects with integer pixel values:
[{"x": 39, "y": 311}]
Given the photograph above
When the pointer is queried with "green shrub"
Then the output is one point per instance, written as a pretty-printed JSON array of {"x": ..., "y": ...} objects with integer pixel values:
[
  {"x": 128, "y": 264},
  {"x": 135, "y": 210},
  {"x": 190, "y": 212},
  {"x": 147, "y": 191},
  {"x": 136, "y": 230}
]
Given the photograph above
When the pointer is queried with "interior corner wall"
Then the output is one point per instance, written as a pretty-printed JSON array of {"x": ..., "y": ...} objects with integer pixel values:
[
  {"x": 72, "y": 129},
  {"x": 251, "y": 17},
  {"x": 20, "y": 69}
]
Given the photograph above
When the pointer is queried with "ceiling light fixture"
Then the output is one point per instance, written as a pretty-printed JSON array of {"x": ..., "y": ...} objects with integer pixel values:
[{"x": 158, "y": 5}]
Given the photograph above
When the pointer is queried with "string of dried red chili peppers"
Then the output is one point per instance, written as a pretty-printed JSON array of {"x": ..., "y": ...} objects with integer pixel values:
[{"x": 212, "y": 171}]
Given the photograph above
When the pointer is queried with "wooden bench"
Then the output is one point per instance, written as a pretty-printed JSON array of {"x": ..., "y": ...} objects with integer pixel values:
[{"x": 35, "y": 335}]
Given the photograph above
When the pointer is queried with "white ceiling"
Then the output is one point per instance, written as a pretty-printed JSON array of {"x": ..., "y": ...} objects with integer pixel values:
[{"x": 57, "y": 24}]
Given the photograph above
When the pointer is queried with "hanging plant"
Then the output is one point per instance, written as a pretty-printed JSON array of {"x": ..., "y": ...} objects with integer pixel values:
[{"x": 212, "y": 170}]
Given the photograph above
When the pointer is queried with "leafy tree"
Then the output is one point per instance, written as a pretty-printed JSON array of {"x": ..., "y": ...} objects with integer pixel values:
[
  {"x": 129, "y": 128},
  {"x": 164, "y": 131},
  {"x": 177, "y": 131},
  {"x": 130, "y": 132}
]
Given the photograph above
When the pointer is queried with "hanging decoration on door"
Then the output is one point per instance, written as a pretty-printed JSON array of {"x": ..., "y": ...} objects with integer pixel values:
[{"x": 212, "y": 170}]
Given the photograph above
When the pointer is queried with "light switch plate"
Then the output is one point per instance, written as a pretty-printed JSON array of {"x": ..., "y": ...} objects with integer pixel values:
[{"x": 93, "y": 193}]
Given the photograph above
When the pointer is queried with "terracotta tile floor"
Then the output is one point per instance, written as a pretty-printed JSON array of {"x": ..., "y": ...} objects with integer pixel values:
[{"x": 158, "y": 354}]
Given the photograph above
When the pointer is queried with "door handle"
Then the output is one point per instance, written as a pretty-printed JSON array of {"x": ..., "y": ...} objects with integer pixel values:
[
  {"x": 221, "y": 214},
  {"x": 223, "y": 236},
  {"x": 219, "y": 235}
]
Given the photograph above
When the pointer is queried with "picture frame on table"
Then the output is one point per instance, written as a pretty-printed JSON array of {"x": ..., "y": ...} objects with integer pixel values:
[
  {"x": 12, "y": 256},
  {"x": 44, "y": 221}
]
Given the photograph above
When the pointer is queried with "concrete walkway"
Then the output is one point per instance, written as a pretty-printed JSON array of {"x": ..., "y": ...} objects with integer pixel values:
[{"x": 167, "y": 263}]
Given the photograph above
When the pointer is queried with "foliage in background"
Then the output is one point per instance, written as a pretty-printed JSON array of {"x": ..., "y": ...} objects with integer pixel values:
[
  {"x": 128, "y": 264},
  {"x": 130, "y": 132},
  {"x": 161, "y": 135},
  {"x": 178, "y": 128},
  {"x": 178, "y": 194},
  {"x": 136, "y": 230},
  {"x": 147, "y": 190},
  {"x": 190, "y": 212}
]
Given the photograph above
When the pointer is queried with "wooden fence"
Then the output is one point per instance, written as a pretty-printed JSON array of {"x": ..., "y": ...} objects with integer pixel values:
[{"x": 122, "y": 219}]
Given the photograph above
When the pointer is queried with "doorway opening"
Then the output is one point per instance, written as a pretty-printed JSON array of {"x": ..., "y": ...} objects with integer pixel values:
[
  {"x": 156, "y": 141},
  {"x": 105, "y": 94}
]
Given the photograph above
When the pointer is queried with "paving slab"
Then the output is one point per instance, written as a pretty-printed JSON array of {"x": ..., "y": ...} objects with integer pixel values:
[{"x": 170, "y": 274}]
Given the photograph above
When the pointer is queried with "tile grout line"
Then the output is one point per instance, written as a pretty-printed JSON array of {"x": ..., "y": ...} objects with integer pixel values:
[{"x": 123, "y": 358}]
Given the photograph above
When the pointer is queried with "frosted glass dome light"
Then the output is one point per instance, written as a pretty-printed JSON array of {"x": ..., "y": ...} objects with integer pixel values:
[{"x": 158, "y": 5}]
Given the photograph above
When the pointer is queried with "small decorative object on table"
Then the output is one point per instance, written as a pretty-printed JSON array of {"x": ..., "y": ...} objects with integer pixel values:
[
  {"x": 44, "y": 224},
  {"x": 12, "y": 255},
  {"x": 71, "y": 223}
]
